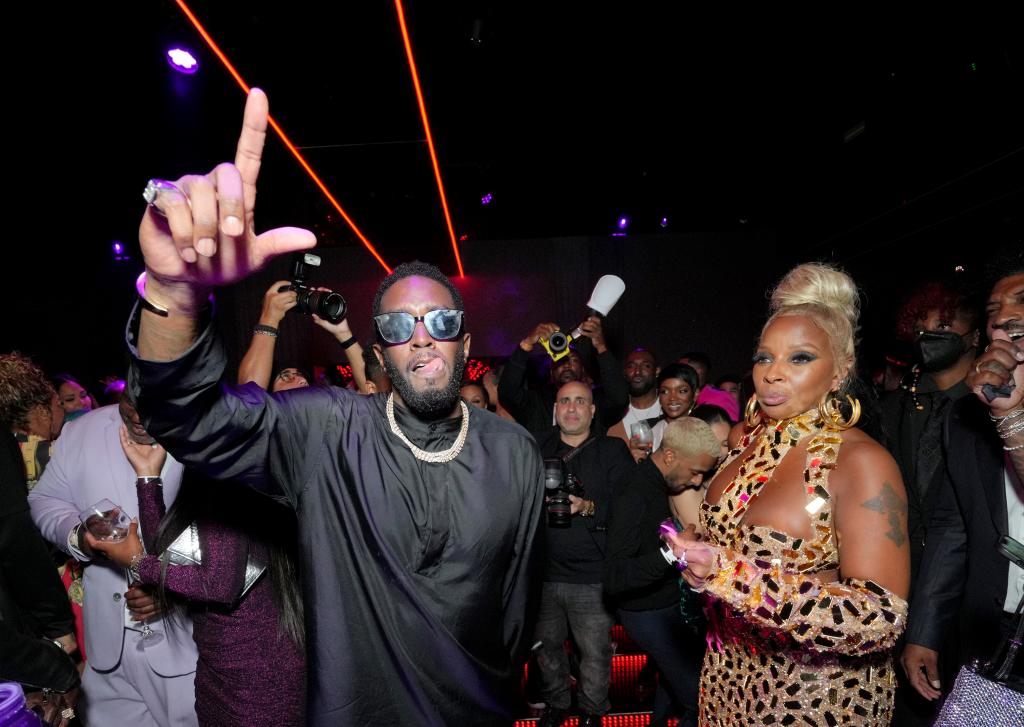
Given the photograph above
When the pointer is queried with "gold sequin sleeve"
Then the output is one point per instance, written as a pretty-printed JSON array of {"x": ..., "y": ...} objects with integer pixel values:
[{"x": 849, "y": 616}]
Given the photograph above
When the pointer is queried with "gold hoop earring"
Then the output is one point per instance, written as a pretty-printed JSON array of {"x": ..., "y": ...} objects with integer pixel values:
[
  {"x": 752, "y": 412},
  {"x": 830, "y": 412}
]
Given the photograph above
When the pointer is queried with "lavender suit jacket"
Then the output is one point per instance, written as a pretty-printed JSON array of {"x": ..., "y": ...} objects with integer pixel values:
[{"x": 88, "y": 465}]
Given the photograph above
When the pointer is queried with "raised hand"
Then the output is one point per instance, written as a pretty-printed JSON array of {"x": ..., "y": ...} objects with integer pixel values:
[
  {"x": 146, "y": 459},
  {"x": 543, "y": 330},
  {"x": 200, "y": 231},
  {"x": 277, "y": 302},
  {"x": 1002, "y": 363}
]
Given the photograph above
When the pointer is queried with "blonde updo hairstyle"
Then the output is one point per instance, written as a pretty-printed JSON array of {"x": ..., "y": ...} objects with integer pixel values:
[{"x": 829, "y": 298}]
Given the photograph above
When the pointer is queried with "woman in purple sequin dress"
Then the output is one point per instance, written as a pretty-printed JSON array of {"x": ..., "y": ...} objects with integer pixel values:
[{"x": 251, "y": 669}]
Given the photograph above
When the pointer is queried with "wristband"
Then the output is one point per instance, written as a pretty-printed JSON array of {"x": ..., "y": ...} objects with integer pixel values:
[
  {"x": 348, "y": 343},
  {"x": 262, "y": 330}
]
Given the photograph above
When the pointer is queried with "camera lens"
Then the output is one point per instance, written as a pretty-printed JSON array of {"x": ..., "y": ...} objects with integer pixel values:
[
  {"x": 329, "y": 306},
  {"x": 559, "y": 510},
  {"x": 558, "y": 342},
  {"x": 553, "y": 473}
]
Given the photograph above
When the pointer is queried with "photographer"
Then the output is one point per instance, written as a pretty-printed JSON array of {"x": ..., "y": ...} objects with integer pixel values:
[
  {"x": 532, "y": 409},
  {"x": 574, "y": 539},
  {"x": 258, "y": 362}
]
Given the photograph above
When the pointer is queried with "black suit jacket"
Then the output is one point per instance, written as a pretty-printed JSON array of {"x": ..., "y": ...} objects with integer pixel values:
[{"x": 963, "y": 577}]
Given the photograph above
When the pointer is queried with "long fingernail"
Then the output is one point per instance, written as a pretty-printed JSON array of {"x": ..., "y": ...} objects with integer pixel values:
[
  {"x": 206, "y": 246},
  {"x": 188, "y": 254},
  {"x": 935, "y": 683},
  {"x": 233, "y": 226}
]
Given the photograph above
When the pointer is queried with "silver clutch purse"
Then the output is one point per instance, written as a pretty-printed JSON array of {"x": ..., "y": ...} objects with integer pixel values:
[
  {"x": 982, "y": 701},
  {"x": 186, "y": 550}
]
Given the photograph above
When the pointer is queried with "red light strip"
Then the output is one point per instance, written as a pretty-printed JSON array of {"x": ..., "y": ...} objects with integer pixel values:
[
  {"x": 426, "y": 128},
  {"x": 280, "y": 132}
]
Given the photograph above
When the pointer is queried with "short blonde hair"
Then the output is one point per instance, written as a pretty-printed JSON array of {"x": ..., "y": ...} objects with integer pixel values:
[
  {"x": 829, "y": 298},
  {"x": 689, "y": 437}
]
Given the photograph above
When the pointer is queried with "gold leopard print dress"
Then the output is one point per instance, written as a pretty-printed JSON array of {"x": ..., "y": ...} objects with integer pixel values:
[{"x": 784, "y": 649}]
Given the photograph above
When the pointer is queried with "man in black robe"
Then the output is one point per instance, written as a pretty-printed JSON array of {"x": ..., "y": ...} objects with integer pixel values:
[{"x": 417, "y": 515}]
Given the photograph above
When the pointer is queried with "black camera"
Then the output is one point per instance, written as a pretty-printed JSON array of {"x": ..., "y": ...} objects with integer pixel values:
[
  {"x": 325, "y": 303},
  {"x": 559, "y": 483}
]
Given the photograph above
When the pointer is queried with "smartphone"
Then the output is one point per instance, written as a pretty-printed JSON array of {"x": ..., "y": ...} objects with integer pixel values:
[{"x": 1012, "y": 549}]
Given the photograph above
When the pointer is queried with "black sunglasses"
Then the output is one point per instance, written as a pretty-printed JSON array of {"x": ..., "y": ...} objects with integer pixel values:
[{"x": 443, "y": 324}]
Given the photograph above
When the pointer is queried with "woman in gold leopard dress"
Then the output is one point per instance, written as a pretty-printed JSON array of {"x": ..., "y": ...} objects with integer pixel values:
[{"x": 804, "y": 561}]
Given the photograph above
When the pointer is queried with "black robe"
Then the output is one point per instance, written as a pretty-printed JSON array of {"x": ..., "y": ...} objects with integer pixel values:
[{"x": 415, "y": 575}]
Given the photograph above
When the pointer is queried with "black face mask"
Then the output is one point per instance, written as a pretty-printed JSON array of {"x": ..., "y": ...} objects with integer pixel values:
[{"x": 938, "y": 350}]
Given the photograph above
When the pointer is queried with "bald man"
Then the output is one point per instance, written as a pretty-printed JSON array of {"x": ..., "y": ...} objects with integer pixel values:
[{"x": 571, "y": 598}]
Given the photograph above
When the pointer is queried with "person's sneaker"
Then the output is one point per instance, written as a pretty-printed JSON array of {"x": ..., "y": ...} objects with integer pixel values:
[
  {"x": 590, "y": 720},
  {"x": 552, "y": 717}
]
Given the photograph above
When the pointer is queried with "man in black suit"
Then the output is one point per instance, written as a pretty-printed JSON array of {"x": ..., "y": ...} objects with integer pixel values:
[{"x": 981, "y": 499}]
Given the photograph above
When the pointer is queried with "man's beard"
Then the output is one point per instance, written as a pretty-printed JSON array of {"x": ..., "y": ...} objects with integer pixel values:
[
  {"x": 637, "y": 390},
  {"x": 432, "y": 403}
]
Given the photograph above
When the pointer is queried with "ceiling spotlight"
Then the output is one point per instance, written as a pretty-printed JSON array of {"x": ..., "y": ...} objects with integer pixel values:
[
  {"x": 623, "y": 223},
  {"x": 118, "y": 249},
  {"x": 664, "y": 221},
  {"x": 182, "y": 60},
  {"x": 486, "y": 199}
]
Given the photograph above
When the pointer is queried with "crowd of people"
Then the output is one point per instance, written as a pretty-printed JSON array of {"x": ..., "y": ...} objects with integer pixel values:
[{"x": 394, "y": 552}]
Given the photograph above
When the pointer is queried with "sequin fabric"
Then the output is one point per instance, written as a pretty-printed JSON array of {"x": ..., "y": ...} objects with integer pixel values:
[{"x": 785, "y": 649}]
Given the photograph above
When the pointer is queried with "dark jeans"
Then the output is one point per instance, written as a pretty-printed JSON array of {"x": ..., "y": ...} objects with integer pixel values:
[
  {"x": 677, "y": 651},
  {"x": 578, "y": 607}
]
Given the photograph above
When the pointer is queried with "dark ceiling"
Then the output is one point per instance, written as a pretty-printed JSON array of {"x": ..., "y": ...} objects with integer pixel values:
[
  {"x": 570, "y": 116},
  {"x": 859, "y": 133}
]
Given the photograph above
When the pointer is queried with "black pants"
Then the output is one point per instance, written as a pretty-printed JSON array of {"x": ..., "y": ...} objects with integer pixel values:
[{"x": 678, "y": 653}]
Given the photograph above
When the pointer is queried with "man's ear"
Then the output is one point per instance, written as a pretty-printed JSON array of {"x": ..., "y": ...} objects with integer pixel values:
[
  {"x": 465, "y": 344},
  {"x": 379, "y": 354}
]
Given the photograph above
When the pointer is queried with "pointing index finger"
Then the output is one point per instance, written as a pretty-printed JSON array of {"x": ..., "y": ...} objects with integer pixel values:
[{"x": 249, "y": 153}]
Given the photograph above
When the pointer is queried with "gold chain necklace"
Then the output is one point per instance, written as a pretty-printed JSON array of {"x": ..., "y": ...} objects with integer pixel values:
[{"x": 446, "y": 455}]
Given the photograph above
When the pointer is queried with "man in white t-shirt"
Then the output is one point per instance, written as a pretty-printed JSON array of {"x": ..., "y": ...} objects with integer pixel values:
[{"x": 640, "y": 371}]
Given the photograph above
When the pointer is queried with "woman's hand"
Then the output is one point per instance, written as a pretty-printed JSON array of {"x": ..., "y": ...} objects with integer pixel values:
[
  {"x": 699, "y": 556},
  {"x": 146, "y": 459},
  {"x": 120, "y": 552}
]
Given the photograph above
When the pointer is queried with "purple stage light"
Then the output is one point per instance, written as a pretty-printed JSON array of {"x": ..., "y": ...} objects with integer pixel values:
[
  {"x": 118, "y": 247},
  {"x": 486, "y": 199},
  {"x": 623, "y": 222},
  {"x": 664, "y": 221},
  {"x": 182, "y": 60}
]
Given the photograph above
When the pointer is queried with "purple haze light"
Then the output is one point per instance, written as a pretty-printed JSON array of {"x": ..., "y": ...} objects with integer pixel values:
[
  {"x": 623, "y": 222},
  {"x": 664, "y": 221},
  {"x": 182, "y": 60},
  {"x": 118, "y": 247},
  {"x": 486, "y": 199}
]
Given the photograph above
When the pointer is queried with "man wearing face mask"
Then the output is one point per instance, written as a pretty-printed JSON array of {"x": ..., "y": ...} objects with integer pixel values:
[{"x": 941, "y": 322}]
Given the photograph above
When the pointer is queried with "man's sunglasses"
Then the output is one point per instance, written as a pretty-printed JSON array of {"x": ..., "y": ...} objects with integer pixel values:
[{"x": 442, "y": 324}]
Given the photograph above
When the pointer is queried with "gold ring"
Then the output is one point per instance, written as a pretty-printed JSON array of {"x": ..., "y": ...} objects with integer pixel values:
[{"x": 68, "y": 713}]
